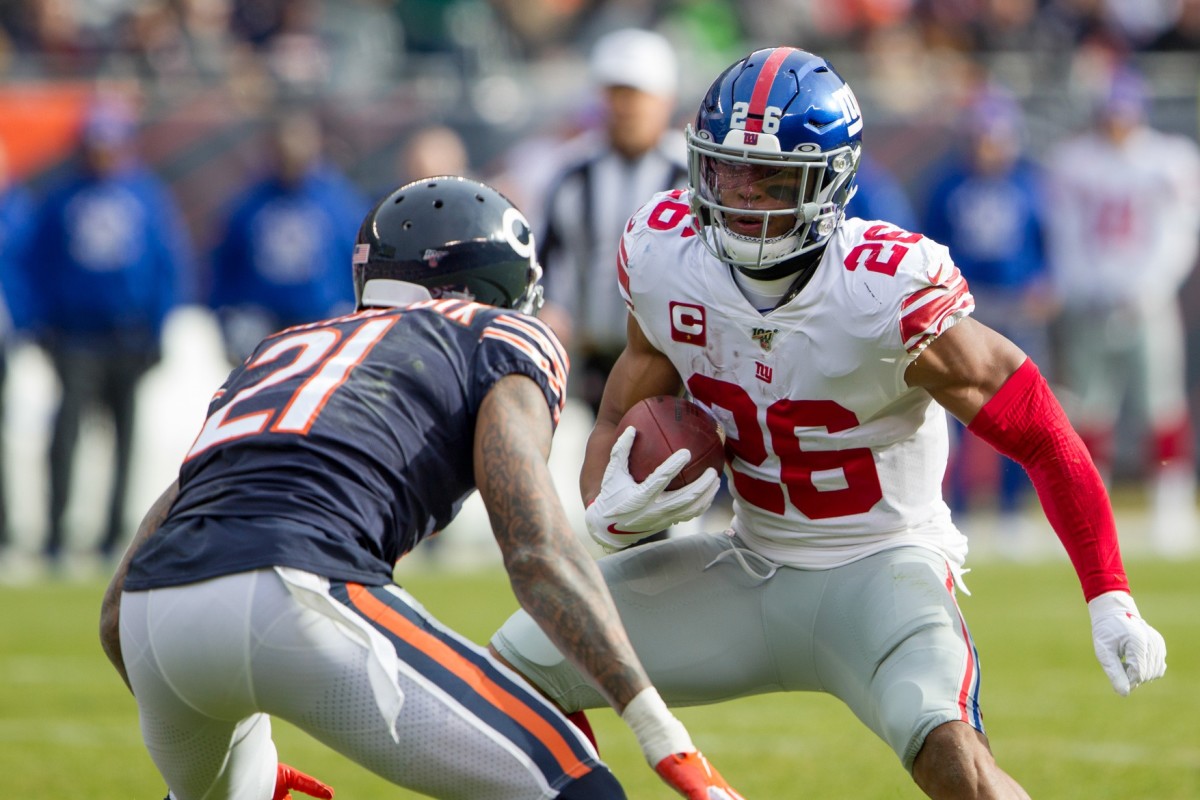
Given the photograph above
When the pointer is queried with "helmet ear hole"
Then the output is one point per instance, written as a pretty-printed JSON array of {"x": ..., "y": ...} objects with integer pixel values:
[{"x": 456, "y": 238}]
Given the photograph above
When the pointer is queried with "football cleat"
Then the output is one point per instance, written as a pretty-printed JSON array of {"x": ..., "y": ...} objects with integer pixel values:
[
  {"x": 288, "y": 778},
  {"x": 691, "y": 775}
]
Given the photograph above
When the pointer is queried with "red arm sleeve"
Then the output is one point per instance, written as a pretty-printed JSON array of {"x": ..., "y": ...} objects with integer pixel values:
[{"x": 1025, "y": 422}]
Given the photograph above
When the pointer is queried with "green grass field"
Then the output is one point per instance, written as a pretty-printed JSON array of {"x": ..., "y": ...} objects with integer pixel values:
[{"x": 68, "y": 728}]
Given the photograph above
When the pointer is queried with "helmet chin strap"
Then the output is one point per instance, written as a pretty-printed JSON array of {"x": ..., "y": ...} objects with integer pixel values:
[
  {"x": 802, "y": 266},
  {"x": 805, "y": 215}
]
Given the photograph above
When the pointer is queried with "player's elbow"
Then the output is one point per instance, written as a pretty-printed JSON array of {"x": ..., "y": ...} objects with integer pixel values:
[
  {"x": 535, "y": 570},
  {"x": 528, "y": 560}
]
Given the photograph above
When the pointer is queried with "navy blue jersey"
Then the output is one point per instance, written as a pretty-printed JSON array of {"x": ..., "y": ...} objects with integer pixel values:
[{"x": 338, "y": 446}]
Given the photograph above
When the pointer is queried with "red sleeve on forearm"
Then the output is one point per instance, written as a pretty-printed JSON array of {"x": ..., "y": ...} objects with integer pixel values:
[{"x": 1025, "y": 422}]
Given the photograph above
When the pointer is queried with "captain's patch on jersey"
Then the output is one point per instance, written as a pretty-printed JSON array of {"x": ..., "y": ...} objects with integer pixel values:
[{"x": 688, "y": 323}]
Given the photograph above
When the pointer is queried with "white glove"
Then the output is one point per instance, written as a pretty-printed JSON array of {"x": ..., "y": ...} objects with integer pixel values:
[
  {"x": 626, "y": 511},
  {"x": 1130, "y": 651}
]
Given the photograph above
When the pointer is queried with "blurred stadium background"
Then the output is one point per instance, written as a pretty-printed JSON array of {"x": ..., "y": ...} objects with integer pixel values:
[{"x": 510, "y": 78}]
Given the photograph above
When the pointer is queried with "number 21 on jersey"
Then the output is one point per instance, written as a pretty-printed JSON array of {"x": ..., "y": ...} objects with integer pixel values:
[{"x": 316, "y": 355}]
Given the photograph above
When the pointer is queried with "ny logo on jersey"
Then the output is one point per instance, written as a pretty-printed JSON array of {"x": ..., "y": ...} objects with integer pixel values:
[
  {"x": 763, "y": 372},
  {"x": 688, "y": 324},
  {"x": 763, "y": 336}
]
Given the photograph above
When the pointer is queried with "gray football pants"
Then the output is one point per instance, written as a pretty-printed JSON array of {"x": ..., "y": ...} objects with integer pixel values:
[
  {"x": 364, "y": 669},
  {"x": 712, "y": 621}
]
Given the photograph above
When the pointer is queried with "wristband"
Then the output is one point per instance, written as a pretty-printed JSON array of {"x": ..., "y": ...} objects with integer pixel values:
[{"x": 658, "y": 732}]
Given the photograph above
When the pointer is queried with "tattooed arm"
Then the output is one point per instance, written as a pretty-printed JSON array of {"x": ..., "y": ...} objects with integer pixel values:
[
  {"x": 110, "y": 608},
  {"x": 552, "y": 575},
  {"x": 558, "y": 584}
]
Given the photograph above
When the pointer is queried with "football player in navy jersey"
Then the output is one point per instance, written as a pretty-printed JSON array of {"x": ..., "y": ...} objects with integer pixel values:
[{"x": 260, "y": 583}]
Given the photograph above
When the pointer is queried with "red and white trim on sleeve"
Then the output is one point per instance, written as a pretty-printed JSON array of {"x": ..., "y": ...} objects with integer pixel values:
[
  {"x": 1025, "y": 422},
  {"x": 623, "y": 272},
  {"x": 926, "y": 314}
]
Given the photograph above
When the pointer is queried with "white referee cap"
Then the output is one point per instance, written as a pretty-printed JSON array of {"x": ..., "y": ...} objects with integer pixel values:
[{"x": 637, "y": 58}]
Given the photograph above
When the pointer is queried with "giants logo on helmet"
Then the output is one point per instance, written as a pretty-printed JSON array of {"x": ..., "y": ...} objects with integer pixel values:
[
  {"x": 688, "y": 323},
  {"x": 851, "y": 112}
]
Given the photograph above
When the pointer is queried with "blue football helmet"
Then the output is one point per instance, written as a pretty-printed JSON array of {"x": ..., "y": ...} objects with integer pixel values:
[{"x": 772, "y": 158}]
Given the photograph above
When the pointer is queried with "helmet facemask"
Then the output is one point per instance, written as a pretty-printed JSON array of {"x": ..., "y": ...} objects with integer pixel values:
[
  {"x": 533, "y": 299},
  {"x": 757, "y": 206}
]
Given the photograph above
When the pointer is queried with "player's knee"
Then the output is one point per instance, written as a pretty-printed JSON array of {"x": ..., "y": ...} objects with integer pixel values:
[
  {"x": 522, "y": 645},
  {"x": 905, "y": 721},
  {"x": 521, "y": 642}
]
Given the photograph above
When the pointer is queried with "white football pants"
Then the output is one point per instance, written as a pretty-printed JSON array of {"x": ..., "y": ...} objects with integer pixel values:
[{"x": 364, "y": 669}]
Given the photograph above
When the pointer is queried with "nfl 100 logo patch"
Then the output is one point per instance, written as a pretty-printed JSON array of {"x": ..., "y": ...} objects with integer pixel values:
[{"x": 764, "y": 336}]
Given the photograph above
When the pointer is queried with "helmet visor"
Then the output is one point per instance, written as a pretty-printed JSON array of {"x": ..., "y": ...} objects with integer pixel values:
[
  {"x": 752, "y": 197},
  {"x": 758, "y": 206},
  {"x": 755, "y": 186}
]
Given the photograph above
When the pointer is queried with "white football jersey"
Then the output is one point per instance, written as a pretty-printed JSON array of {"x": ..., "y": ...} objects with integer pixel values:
[
  {"x": 1125, "y": 219},
  {"x": 831, "y": 455}
]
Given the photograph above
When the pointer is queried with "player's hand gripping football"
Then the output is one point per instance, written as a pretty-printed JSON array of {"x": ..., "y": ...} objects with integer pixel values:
[
  {"x": 1130, "y": 651},
  {"x": 288, "y": 778},
  {"x": 626, "y": 511},
  {"x": 668, "y": 748}
]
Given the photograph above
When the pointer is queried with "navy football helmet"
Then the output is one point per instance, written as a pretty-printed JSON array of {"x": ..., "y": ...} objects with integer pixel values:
[
  {"x": 454, "y": 236},
  {"x": 772, "y": 158}
]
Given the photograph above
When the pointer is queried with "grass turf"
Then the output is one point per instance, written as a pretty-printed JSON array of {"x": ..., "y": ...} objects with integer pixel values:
[{"x": 69, "y": 729}]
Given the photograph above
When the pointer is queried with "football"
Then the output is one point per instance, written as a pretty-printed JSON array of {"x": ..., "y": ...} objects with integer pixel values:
[{"x": 665, "y": 424}]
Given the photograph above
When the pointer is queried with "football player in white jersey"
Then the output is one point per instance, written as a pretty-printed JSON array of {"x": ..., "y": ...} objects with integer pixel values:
[
  {"x": 1125, "y": 338},
  {"x": 830, "y": 349}
]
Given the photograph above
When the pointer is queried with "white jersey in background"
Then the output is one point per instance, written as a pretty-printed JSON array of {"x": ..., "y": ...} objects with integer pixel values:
[
  {"x": 833, "y": 456},
  {"x": 1123, "y": 221}
]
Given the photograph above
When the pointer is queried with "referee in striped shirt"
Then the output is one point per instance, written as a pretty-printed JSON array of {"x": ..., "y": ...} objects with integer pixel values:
[{"x": 607, "y": 174}]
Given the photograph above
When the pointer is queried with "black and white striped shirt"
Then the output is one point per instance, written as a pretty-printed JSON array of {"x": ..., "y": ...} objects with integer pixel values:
[{"x": 588, "y": 205}]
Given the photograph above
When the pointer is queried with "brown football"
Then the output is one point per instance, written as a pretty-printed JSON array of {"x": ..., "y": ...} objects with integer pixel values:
[{"x": 665, "y": 424}]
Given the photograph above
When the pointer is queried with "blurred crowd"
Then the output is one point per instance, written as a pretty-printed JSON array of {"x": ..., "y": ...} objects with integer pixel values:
[
  {"x": 313, "y": 40},
  {"x": 220, "y": 153}
]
